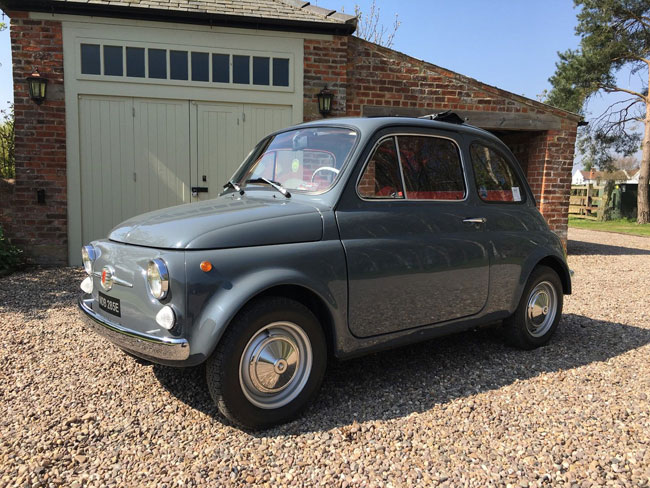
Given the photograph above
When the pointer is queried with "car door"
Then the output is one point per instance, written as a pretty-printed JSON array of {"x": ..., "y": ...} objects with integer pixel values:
[
  {"x": 413, "y": 243},
  {"x": 514, "y": 228}
]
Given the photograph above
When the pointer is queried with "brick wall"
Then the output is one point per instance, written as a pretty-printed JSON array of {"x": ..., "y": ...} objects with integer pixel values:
[
  {"x": 40, "y": 229},
  {"x": 325, "y": 65},
  {"x": 549, "y": 174},
  {"x": 378, "y": 76}
]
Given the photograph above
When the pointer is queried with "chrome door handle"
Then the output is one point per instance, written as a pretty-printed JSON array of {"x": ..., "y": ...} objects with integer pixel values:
[{"x": 476, "y": 220}]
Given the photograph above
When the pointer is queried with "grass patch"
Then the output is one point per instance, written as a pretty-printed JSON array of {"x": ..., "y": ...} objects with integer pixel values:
[{"x": 624, "y": 226}]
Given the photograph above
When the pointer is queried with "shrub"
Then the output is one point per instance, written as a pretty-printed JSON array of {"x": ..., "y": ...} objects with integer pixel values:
[
  {"x": 10, "y": 255},
  {"x": 7, "y": 144}
]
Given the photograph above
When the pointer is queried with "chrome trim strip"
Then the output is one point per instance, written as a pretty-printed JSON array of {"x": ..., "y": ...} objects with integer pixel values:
[
  {"x": 401, "y": 169},
  {"x": 475, "y": 220},
  {"x": 151, "y": 346},
  {"x": 116, "y": 280},
  {"x": 463, "y": 167}
]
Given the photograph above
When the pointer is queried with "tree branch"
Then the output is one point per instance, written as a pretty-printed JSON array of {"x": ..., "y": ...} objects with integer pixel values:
[
  {"x": 611, "y": 89},
  {"x": 641, "y": 20}
]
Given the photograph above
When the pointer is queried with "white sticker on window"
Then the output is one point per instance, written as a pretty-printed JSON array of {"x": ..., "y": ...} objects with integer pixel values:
[{"x": 516, "y": 196}]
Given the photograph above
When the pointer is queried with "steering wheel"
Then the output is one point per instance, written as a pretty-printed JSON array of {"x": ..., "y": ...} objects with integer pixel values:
[{"x": 325, "y": 168}]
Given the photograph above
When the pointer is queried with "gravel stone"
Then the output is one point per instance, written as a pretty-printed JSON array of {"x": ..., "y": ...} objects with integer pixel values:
[{"x": 465, "y": 410}]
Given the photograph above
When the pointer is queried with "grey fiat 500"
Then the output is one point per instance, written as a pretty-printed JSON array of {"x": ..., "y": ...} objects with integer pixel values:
[{"x": 333, "y": 239}]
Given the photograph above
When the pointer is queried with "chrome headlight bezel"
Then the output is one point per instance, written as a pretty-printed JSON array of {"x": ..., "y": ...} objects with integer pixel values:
[
  {"x": 158, "y": 278},
  {"x": 88, "y": 256}
]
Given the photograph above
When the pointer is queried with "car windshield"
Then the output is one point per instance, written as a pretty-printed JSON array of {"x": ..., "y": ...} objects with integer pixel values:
[{"x": 306, "y": 160}]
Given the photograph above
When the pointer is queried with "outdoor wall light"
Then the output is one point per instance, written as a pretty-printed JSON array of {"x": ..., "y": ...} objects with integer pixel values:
[
  {"x": 325, "y": 98},
  {"x": 37, "y": 87}
]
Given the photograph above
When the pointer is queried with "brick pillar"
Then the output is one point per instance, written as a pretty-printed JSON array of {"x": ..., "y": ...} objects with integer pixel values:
[
  {"x": 325, "y": 64},
  {"x": 550, "y": 162},
  {"x": 39, "y": 229}
]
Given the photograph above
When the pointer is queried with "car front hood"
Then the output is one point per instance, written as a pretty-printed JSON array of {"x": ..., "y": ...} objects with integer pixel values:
[{"x": 225, "y": 222}]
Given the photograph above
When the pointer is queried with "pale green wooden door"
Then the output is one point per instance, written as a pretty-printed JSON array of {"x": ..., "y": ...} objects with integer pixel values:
[
  {"x": 139, "y": 155},
  {"x": 225, "y": 134},
  {"x": 220, "y": 147},
  {"x": 162, "y": 153},
  {"x": 107, "y": 164}
]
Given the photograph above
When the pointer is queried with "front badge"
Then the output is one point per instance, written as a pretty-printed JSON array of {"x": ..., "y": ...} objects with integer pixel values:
[{"x": 107, "y": 277}]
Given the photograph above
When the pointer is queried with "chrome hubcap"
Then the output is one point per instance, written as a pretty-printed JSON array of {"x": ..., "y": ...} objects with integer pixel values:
[
  {"x": 275, "y": 365},
  {"x": 541, "y": 310}
]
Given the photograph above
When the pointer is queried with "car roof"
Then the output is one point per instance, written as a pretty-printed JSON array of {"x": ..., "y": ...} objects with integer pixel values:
[{"x": 370, "y": 125}]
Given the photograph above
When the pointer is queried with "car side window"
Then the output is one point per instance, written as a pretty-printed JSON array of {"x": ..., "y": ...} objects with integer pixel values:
[
  {"x": 381, "y": 177},
  {"x": 432, "y": 168},
  {"x": 496, "y": 180}
]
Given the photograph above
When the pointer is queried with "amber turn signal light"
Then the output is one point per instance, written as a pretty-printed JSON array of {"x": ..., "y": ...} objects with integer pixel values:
[{"x": 206, "y": 266}]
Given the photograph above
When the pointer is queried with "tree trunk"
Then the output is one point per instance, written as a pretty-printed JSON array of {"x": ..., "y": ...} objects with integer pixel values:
[{"x": 643, "y": 200}]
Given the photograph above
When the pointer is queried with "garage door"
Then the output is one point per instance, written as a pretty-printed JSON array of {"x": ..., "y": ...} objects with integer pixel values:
[
  {"x": 139, "y": 155},
  {"x": 225, "y": 135}
]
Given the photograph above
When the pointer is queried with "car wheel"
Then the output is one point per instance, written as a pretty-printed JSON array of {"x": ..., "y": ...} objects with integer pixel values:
[
  {"x": 539, "y": 311},
  {"x": 269, "y": 364}
]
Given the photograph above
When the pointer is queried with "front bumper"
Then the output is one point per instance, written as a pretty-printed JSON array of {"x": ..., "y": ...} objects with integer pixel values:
[{"x": 168, "y": 348}]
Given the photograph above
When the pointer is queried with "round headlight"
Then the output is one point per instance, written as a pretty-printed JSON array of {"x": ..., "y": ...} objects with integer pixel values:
[
  {"x": 88, "y": 255},
  {"x": 158, "y": 278}
]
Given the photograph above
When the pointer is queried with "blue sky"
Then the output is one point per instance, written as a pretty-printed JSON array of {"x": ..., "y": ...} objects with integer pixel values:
[{"x": 511, "y": 44}]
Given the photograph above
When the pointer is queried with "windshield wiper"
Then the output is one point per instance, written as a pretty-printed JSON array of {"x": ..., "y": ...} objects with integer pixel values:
[
  {"x": 274, "y": 184},
  {"x": 234, "y": 186}
]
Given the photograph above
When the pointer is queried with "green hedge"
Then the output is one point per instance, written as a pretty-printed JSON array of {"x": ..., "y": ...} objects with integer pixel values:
[{"x": 10, "y": 256}]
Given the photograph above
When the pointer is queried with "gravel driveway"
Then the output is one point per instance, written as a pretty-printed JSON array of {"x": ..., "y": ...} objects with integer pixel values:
[{"x": 464, "y": 410}]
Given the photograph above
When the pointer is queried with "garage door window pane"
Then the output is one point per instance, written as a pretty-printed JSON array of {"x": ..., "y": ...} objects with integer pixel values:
[
  {"x": 261, "y": 75},
  {"x": 496, "y": 180},
  {"x": 200, "y": 67},
  {"x": 381, "y": 178},
  {"x": 135, "y": 62},
  {"x": 280, "y": 72},
  {"x": 178, "y": 65},
  {"x": 432, "y": 168},
  {"x": 241, "y": 70},
  {"x": 90, "y": 63},
  {"x": 158, "y": 64},
  {"x": 221, "y": 68},
  {"x": 113, "y": 61}
]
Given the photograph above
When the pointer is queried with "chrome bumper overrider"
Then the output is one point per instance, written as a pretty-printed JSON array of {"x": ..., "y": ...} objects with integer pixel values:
[{"x": 154, "y": 347}]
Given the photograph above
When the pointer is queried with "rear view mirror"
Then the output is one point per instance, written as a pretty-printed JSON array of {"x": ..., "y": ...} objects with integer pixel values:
[{"x": 300, "y": 141}]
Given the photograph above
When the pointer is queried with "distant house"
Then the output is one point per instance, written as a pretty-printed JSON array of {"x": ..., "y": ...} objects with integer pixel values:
[{"x": 597, "y": 178}]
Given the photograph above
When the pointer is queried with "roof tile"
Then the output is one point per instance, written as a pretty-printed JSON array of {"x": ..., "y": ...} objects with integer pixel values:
[{"x": 297, "y": 10}]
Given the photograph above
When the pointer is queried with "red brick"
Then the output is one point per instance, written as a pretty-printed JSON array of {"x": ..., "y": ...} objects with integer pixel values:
[{"x": 40, "y": 142}]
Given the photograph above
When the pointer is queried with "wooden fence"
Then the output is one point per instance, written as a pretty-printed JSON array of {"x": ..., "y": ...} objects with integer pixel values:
[{"x": 584, "y": 199}]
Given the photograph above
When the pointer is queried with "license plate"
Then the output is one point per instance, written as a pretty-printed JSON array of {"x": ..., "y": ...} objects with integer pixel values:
[{"x": 110, "y": 305}]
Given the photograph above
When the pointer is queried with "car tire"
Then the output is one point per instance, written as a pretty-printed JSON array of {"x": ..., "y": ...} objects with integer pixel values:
[
  {"x": 539, "y": 311},
  {"x": 269, "y": 365}
]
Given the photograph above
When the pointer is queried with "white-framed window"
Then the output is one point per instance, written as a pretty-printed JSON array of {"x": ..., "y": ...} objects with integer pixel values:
[{"x": 136, "y": 62}]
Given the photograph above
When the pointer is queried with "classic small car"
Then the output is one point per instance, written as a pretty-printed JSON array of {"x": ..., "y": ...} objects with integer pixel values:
[{"x": 333, "y": 239}]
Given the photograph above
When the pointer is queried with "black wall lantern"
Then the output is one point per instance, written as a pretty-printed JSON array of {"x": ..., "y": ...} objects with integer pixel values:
[
  {"x": 325, "y": 98},
  {"x": 37, "y": 87}
]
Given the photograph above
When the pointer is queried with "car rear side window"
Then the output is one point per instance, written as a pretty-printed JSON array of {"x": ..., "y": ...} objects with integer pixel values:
[
  {"x": 496, "y": 180},
  {"x": 432, "y": 168},
  {"x": 381, "y": 177}
]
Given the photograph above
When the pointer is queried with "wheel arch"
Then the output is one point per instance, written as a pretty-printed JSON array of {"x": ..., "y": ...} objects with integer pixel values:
[
  {"x": 310, "y": 299},
  {"x": 552, "y": 261},
  {"x": 557, "y": 265},
  {"x": 218, "y": 314}
]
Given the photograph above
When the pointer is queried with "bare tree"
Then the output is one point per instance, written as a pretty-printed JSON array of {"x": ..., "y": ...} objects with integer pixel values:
[
  {"x": 372, "y": 29},
  {"x": 626, "y": 163}
]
